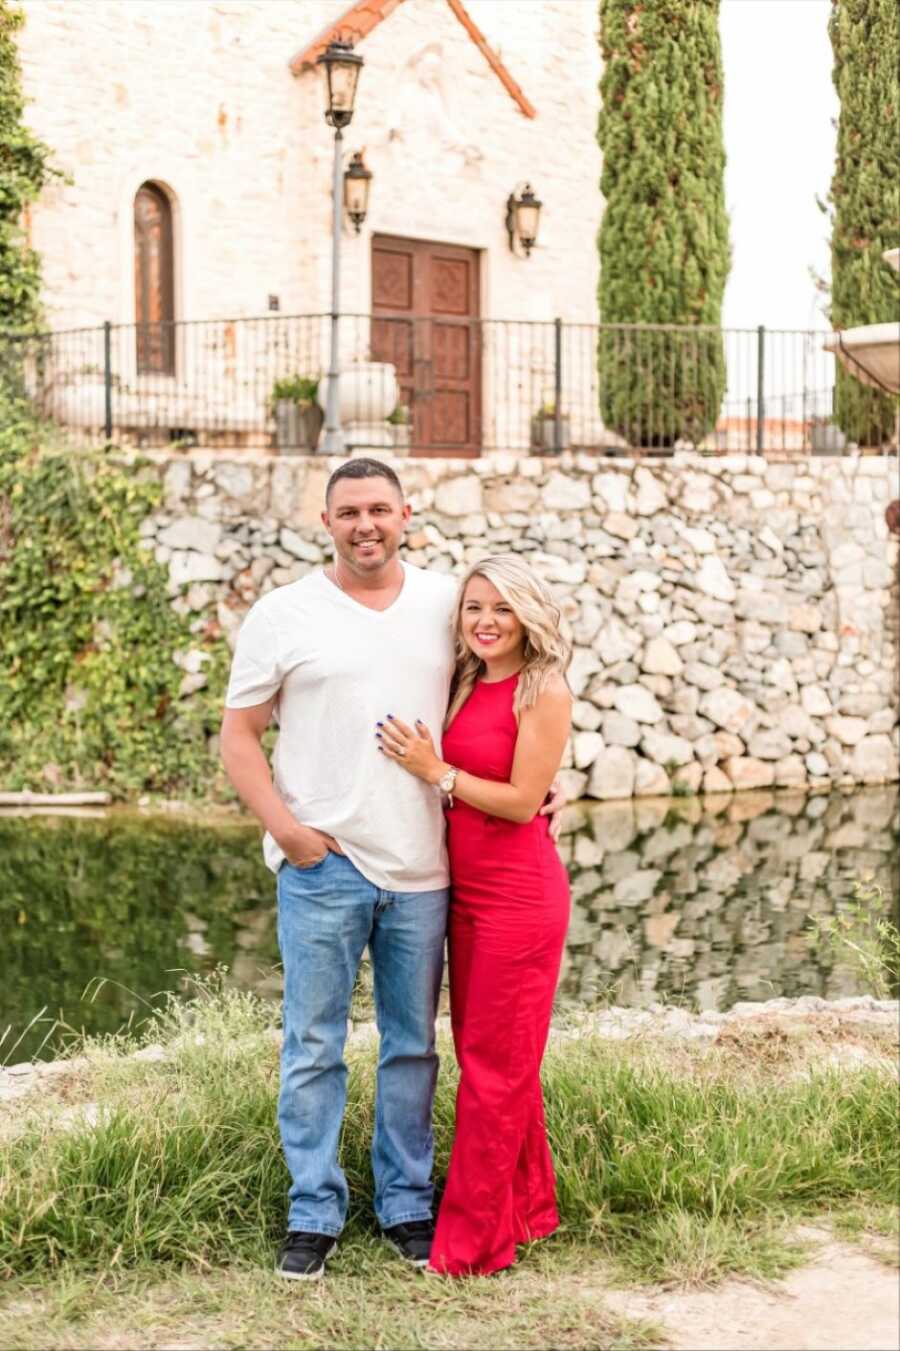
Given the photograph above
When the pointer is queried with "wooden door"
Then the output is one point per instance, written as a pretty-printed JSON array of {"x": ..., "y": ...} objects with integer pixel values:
[
  {"x": 154, "y": 303},
  {"x": 425, "y": 321}
]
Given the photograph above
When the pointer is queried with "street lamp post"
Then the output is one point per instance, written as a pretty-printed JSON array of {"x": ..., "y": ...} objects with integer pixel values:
[{"x": 341, "y": 65}]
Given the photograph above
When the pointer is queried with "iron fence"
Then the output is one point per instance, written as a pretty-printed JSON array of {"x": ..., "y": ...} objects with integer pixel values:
[{"x": 433, "y": 385}]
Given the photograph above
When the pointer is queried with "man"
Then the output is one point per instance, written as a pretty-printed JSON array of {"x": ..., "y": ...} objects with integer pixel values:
[{"x": 358, "y": 850}]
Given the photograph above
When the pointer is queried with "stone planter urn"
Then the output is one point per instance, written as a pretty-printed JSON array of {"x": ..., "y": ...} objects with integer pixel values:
[
  {"x": 297, "y": 426},
  {"x": 368, "y": 395},
  {"x": 543, "y": 434}
]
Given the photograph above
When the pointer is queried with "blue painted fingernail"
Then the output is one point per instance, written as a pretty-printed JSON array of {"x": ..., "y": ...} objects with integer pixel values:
[
  {"x": 390, "y": 717},
  {"x": 379, "y": 724}
]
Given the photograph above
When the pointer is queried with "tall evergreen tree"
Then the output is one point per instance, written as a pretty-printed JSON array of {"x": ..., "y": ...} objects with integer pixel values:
[
  {"x": 664, "y": 250},
  {"x": 24, "y": 170},
  {"x": 865, "y": 193}
]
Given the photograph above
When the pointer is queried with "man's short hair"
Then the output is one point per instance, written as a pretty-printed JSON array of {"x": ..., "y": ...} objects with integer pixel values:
[{"x": 363, "y": 468}]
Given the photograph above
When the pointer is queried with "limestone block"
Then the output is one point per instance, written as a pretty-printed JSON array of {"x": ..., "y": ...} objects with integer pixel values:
[
  {"x": 728, "y": 709},
  {"x": 583, "y": 665},
  {"x": 619, "y": 730},
  {"x": 848, "y": 731},
  {"x": 649, "y": 496},
  {"x": 688, "y": 777},
  {"x": 510, "y": 494},
  {"x": 616, "y": 642},
  {"x": 790, "y": 772},
  {"x": 714, "y": 781},
  {"x": 573, "y": 783},
  {"x": 621, "y": 526},
  {"x": 562, "y": 492},
  {"x": 459, "y": 496},
  {"x": 875, "y": 759},
  {"x": 190, "y": 532},
  {"x": 612, "y": 490},
  {"x": 728, "y": 744},
  {"x": 661, "y": 658},
  {"x": 189, "y": 566},
  {"x": 816, "y": 764},
  {"x": 666, "y": 749},
  {"x": 795, "y": 722},
  {"x": 650, "y": 780},
  {"x": 815, "y": 701},
  {"x": 300, "y": 548},
  {"x": 769, "y": 743},
  {"x": 703, "y": 676},
  {"x": 680, "y": 632},
  {"x": 638, "y": 703},
  {"x": 700, "y": 540},
  {"x": 805, "y": 619},
  {"x": 860, "y": 703},
  {"x": 584, "y": 629},
  {"x": 746, "y": 772},
  {"x": 612, "y": 775},
  {"x": 177, "y": 484},
  {"x": 586, "y": 747},
  {"x": 585, "y": 715},
  {"x": 712, "y": 579},
  {"x": 883, "y": 720}
]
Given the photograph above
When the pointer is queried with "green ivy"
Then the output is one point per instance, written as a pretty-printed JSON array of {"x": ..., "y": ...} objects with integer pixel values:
[
  {"x": 25, "y": 170},
  {"x": 89, "y": 691}
]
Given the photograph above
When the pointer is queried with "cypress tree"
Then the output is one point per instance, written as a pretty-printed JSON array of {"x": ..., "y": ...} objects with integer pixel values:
[
  {"x": 865, "y": 193},
  {"x": 664, "y": 250},
  {"x": 24, "y": 170}
]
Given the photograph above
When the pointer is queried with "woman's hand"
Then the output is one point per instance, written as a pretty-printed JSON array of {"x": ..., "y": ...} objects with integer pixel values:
[{"x": 410, "y": 747}]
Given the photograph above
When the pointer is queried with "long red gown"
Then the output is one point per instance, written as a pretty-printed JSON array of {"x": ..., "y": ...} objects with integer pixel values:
[{"x": 508, "y": 917}]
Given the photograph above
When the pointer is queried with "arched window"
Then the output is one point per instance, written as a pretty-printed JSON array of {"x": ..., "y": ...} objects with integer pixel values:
[{"x": 154, "y": 281}]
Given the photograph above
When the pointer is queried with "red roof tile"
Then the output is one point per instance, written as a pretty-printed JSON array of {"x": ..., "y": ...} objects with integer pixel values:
[{"x": 359, "y": 20}]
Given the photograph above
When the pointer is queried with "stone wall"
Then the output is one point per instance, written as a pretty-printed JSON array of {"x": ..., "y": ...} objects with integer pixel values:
[{"x": 734, "y": 620}]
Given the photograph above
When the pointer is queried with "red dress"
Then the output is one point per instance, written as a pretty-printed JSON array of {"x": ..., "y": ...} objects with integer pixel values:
[{"x": 508, "y": 917}]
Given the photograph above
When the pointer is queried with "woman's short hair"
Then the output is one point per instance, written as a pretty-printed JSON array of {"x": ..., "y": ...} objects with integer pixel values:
[{"x": 548, "y": 648}]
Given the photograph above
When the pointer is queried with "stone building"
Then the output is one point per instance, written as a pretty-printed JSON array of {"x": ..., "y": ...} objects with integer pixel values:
[{"x": 199, "y": 180}]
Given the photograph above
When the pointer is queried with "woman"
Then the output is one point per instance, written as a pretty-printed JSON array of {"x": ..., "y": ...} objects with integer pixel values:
[{"x": 506, "y": 730}]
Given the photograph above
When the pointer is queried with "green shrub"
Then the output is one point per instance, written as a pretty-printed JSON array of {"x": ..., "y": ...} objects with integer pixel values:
[
  {"x": 865, "y": 193},
  {"x": 664, "y": 251}
]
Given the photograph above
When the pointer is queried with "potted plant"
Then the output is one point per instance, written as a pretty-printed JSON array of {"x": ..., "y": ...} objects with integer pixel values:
[
  {"x": 543, "y": 430},
  {"x": 298, "y": 417},
  {"x": 400, "y": 421}
]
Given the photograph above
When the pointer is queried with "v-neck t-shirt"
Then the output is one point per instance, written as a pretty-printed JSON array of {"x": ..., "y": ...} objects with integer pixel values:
[{"x": 337, "y": 667}]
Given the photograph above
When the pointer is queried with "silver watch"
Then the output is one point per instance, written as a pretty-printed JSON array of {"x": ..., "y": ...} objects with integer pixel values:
[{"x": 447, "y": 781}]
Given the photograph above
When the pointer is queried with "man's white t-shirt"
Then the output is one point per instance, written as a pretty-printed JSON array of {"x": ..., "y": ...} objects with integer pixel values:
[{"x": 337, "y": 668}]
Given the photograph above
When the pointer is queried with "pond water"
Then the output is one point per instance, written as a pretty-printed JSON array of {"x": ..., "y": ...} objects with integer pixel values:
[{"x": 699, "y": 902}]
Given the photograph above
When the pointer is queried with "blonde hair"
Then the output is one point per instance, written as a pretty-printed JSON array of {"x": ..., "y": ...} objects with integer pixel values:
[{"x": 547, "y": 648}]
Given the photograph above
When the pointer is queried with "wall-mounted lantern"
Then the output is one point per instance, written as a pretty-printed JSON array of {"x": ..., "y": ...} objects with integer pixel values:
[
  {"x": 357, "y": 181},
  {"x": 523, "y": 214}
]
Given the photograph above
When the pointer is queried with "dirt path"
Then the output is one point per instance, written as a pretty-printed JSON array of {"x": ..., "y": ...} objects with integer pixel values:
[{"x": 842, "y": 1301}]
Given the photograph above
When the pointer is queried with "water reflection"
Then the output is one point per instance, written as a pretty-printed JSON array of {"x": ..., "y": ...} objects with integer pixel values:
[{"x": 703, "y": 902}]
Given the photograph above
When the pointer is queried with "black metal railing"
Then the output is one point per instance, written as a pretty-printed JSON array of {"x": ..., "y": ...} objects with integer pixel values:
[{"x": 434, "y": 384}]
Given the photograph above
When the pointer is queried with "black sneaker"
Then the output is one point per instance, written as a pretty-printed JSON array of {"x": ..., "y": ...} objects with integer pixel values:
[
  {"x": 302, "y": 1256},
  {"x": 412, "y": 1240}
]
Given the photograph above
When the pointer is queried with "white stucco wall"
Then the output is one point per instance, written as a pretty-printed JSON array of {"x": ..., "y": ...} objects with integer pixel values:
[{"x": 198, "y": 95}]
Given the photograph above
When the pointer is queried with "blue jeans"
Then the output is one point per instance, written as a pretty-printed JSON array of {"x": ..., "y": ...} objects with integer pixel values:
[{"x": 326, "y": 916}]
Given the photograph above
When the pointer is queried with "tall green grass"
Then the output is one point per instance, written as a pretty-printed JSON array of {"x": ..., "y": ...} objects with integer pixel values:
[{"x": 183, "y": 1163}]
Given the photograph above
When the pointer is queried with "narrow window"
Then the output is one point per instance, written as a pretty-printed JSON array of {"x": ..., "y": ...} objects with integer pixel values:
[{"x": 154, "y": 283}]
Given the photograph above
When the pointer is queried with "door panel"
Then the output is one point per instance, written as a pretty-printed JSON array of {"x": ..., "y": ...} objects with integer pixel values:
[{"x": 425, "y": 321}]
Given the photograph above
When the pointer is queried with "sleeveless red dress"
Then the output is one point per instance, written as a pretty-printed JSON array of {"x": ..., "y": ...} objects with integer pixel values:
[{"x": 509, "y": 912}]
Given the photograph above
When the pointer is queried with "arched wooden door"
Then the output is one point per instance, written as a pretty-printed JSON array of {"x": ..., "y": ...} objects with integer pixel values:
[{"x": 154, "y": 282}]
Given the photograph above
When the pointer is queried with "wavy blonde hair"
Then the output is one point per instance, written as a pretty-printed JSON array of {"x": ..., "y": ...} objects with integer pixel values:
[{"x": 547, "y": 647}]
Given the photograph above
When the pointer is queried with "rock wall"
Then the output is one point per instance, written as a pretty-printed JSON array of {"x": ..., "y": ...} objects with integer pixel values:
[{"x": 734, "y": 619}]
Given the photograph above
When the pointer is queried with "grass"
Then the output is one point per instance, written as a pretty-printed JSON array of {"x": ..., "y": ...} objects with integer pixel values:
[{"x": 677, "y": 1164}]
